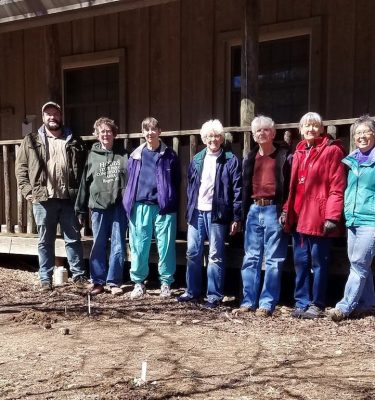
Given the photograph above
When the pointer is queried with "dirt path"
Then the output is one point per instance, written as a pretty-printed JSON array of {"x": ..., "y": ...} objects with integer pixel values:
[{"x": 190, "y": 353}]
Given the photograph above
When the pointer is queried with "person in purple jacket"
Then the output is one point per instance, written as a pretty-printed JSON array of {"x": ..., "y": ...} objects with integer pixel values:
[
  {"x": 151, "y": 203},
  {"x": 213, "y": 211}
]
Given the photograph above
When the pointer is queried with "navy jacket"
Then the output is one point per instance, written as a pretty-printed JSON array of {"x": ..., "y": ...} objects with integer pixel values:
[{"x": 226, "y": 203}]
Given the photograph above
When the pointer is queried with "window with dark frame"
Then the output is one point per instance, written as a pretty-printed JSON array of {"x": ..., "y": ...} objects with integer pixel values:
[
  {"x": 283, "y": 79},
  {"x": 89, "y": 93}
]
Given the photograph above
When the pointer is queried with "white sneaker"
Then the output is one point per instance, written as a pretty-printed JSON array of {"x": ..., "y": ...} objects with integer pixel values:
[
  {"x": 138, "y": 291},
  {"x": 165, "y": 290}
]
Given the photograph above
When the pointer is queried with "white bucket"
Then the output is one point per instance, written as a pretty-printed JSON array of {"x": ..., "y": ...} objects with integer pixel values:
[{"x": 60, "y": 276}]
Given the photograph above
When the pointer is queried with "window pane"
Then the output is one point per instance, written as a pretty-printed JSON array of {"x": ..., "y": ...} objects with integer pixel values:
[
  {"x": 283, "y": 79},
  {"x": 90, "y": 93}
]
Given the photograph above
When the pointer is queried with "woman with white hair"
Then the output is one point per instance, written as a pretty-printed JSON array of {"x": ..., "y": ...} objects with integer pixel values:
[
  {"x": 313, "y": 212},
  {"x": 213, "y": 209}
]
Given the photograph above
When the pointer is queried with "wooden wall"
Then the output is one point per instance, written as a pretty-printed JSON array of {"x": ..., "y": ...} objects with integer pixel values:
[
  {"x": 172, "y": 58},
  {"x": 175, "y": 59}
]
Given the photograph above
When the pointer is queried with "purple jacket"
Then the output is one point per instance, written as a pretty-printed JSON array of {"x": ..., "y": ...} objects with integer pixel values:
[{"x": 168, "y": 179}]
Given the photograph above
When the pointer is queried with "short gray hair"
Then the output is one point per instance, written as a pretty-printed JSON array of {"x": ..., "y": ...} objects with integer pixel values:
[
  {"x": 365, "y": 120},
  {"x": 262, "y": 121},
  {"x": 311, "y": 117}
]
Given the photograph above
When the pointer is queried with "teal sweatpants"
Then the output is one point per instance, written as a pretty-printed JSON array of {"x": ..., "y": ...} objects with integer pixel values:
[{"x": 144, "y": 221}]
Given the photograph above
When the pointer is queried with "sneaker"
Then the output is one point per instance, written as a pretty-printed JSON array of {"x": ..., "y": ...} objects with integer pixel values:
[
  {"x": 165, "y": 291},
  {"x": 138, "y": 291},
  {"x": 313, "y": 312},
  {"x": 80, "y": 282},
  {"x": 263, "y": 313},
  {"x": 184, "y": 298},
  {"x": 45, "y": 286},
  {"x": 242, "y": 310},
  {"x": 297, "y": 312},
  {"x": 210, "y": 305},
  {"x": 116, "y": 291},
  {"x": 336, "y": 315}
]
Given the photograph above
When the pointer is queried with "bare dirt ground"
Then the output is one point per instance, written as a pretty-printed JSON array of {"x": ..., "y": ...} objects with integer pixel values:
[{"x": 190, "y": 353}]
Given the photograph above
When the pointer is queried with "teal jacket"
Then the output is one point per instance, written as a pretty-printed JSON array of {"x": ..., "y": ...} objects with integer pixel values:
[{"x": 359, "y": 206}]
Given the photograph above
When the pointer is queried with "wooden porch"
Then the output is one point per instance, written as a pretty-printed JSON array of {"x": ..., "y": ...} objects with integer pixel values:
[{"x": 18, "y": 232}]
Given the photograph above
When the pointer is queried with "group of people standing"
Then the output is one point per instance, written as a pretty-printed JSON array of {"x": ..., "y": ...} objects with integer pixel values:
[{"x": 274, "y": 193}]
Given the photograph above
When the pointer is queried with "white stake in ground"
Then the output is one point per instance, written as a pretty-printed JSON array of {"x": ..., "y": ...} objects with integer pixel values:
[
  {"x": 89, "y": 303},
  {"x": 144, "y": 371}
]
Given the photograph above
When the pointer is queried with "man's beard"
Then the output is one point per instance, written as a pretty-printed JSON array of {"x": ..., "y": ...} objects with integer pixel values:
[{"x": 55, "y": 126}]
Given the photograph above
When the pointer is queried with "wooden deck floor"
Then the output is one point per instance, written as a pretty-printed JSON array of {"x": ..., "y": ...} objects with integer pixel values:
[{"x": 27, "y": 244}]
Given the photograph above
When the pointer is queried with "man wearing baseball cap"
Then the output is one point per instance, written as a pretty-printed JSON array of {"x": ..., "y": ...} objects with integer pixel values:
[{"x": 49, "y": 167}]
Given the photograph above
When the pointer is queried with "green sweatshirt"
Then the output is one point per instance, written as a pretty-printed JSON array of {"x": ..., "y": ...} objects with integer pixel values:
[{"x": 103, "y": 180}]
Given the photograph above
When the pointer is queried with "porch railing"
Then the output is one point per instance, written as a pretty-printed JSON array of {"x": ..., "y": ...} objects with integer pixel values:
[{"x": 16, "y": 212}]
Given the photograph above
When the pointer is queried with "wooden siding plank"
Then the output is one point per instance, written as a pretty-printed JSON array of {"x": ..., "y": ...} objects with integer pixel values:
[
  {"x": 362, "y": 65},
  {"x": 340, "y": 59},
  {"x": 268, "y": 12},
  {"x": 228, "y": 15},
  {"x": 12, "y": 85},
  {"x": 64, "y": 30},
  {"x": 106, "y": 32},
  {"x": 134, "y": 37},
  {"x": 293, "y": 9},
  {"x": 83, "y": 36},
  {"x": 197, "y": 62},
  {"x": 36, "y": 84},
  {"x": 165, "y": 65}
]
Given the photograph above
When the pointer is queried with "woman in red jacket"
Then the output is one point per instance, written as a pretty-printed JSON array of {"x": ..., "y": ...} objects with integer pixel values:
[{"x": 313, "y": 212}]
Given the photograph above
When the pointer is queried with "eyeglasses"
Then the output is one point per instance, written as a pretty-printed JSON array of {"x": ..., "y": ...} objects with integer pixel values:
[
  {"x": 367, "y": 133},
  {"x": 216, "y": 136}
]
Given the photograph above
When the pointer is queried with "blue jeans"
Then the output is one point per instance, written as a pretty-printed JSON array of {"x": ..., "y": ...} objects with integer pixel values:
[
  {"x": 144, "y": 220},
  {"x": 264, "y": 237},
  {"x": 108, "y": 224},
  {"x": 199, "y": 230},
  {"x": 311, "y": 253},
  {"x": 47, "y": 215},
  {"x": 359, "y": 289}
]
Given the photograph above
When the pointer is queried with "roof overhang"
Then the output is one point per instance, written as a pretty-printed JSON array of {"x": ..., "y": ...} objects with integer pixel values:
[{"x": 23, "y": 14}]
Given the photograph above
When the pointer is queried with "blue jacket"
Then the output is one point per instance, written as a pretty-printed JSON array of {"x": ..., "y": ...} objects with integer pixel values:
[
  {"x": 226, "y": 203},
  {"x": 167, "y": 179},
  {"x": 359, "y": 203}
]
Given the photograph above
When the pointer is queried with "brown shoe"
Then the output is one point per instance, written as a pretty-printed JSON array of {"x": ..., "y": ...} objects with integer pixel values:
[
  {"x": 242, "y": 310},
  {"x": 97, "y": 289},
  {"x": 263, "y": 313}
]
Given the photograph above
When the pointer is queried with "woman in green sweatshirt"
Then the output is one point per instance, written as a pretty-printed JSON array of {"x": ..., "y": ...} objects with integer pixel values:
[{"x": 101, "y": 190}]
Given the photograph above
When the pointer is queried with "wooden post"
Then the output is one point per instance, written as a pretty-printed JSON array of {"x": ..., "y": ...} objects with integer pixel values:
[
  {"x": 249, "y": 68},
  {"x": 193, "y": 146},
  {"x": 20, "y": 219},
  {"x": 176, "y": 143},
  {"x": 6, "y": 188},
  {"x": 30, "y": 218}
]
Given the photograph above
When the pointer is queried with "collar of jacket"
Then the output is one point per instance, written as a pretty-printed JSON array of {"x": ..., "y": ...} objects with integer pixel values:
[
  {"x": 67, "y": 133},
  {"x": 352, "y": 157},
  {"x": 137, "y": 153}
]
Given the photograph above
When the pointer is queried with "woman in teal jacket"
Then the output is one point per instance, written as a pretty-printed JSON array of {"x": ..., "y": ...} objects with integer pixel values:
[{"x": 359, "y": 294}]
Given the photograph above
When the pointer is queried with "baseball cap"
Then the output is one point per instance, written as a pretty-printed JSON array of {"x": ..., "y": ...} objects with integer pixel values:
[{"x": 50, "y": 104}]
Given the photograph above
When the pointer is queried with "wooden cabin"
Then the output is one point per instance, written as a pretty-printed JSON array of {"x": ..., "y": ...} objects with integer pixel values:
[{"x": 182, "y": 61}]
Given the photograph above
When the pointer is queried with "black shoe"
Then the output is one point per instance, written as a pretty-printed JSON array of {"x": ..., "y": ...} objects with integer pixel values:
[
  {"x": 210, "y": 305},
  {"x": 297, "y": 312},
  {"x": 185, "y": 298},
  {"x": 313, "y": 312}
]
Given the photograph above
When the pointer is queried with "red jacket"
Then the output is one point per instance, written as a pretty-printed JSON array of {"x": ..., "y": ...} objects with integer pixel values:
[{"x": 325, "y": 182}]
